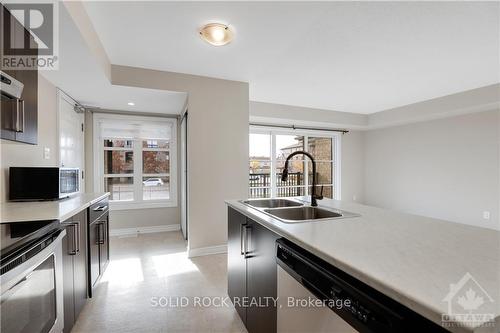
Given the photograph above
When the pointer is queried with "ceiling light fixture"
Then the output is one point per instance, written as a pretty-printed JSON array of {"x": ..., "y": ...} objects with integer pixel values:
[
  {"x": 131, "y": 103},
  {"x": 217, "y": 34}
]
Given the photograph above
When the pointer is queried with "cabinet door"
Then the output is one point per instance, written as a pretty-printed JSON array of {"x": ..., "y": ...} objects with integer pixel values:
[
  {"x": 261, "y": 278},
  {"x": 68, "y": 287},
  {"x": 30, "y": 114},
  {"x": 8, "y": 116},
  {"x": 29, "y": 117},
  {"x": 236, "y": 262},
  {"x": 93, "y": 253},
  {"x": 104, "y": 244},
  {"x": 80, "y": 265}
]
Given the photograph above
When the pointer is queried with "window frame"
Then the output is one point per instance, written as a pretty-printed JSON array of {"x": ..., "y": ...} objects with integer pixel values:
[
  {"x": 99, "y": 175},
  {"x": 336, "y": 155}
]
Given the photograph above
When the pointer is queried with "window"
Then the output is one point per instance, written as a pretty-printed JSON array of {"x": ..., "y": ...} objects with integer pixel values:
[
  {"x": 136, "y": 160},
  {"x": 268, "y": 151}
]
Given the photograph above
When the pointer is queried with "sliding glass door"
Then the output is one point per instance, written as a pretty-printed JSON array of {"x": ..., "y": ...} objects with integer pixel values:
[{"x": 269, "y": 149}]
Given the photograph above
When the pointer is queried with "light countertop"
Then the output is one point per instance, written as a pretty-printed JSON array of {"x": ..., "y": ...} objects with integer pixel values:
[
  {"x": 48, "y": 210},
  {"x": 412, "y": 259}
]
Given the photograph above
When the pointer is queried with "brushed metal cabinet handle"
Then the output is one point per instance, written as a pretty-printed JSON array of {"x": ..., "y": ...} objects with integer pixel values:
[
  {"x": 98, "y": 230},
  {"x": 247, "y": 240},
  {"x": 77, "y": 237},
  {"x": 21, "y": 102},
  {"x": 242, "y": 230},
  {"x": 73, "y": 240},
  {"x": 19, "y": 121}
]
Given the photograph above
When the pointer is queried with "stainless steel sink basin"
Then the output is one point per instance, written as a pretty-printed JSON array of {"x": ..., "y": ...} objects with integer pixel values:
[
  {"x": 292, "y": 211},
  {"x": 272, "y": 203},
  {"x": 307, "y": 214}
]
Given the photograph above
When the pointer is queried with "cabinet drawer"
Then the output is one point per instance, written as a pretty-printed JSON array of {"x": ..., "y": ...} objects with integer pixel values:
[{"x": 98, "y": 209}]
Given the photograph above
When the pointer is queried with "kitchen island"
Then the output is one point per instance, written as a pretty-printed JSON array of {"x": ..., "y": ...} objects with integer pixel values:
[{"x": 412, "y": 259}]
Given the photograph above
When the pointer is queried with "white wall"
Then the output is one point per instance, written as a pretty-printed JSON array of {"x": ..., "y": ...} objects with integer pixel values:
[
  {"x": 21, "y": 154},
  {"x": 447, "y": 168}
]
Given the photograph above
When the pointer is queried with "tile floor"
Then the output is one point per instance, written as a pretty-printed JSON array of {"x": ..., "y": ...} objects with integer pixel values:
[{"x": 148, "y": 271}]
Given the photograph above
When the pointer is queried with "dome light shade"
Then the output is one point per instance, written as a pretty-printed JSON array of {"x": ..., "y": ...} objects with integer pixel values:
[{"x": 217, "y": 34}]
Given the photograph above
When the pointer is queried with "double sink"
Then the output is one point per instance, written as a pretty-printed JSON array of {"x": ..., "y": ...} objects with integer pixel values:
[{"x": 291, "y": 211}]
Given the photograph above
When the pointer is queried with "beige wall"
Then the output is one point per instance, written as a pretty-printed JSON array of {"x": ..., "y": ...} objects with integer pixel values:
[
  {"x": 447, "y": 168},
  {"x": 140, "y": 218},
  {"x": 352, "y": 171},
  {"x": 21, "y": 154},
  {"x": 287, "y": 114},
  {"x": 217, "y": 145}
]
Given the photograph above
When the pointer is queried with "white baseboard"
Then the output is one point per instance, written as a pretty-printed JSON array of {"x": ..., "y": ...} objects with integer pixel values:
[
  {"x": 205, "y": 251},
  {"x": 144, "y": 230}
]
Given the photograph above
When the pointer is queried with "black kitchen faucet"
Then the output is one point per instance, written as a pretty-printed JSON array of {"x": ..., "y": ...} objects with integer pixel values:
[{"x": 284, "y": 176}]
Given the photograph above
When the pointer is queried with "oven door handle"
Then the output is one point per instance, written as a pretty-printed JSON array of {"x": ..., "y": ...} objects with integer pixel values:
[
  {"x": 16, "y": 286},
  {"x": 20, "y": 282},
  {"x": 25, "y": 267}
]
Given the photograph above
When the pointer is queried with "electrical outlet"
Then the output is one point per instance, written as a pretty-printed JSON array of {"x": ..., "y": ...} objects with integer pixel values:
[
  {"x": 486, "y": 215},
  {"x": 46, "y": 153}
]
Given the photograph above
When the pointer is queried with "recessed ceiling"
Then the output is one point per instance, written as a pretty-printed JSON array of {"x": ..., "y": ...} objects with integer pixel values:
[
  {"x": 360, "y": 57},
  {"x": 81, "y": 77}
]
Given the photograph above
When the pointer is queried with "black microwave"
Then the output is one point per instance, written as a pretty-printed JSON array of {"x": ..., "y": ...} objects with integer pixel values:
[{"x": 42, "y": 183}]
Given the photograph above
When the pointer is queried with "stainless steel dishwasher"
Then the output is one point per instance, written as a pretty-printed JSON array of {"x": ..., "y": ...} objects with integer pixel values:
[{"x": 314, "y": 296}]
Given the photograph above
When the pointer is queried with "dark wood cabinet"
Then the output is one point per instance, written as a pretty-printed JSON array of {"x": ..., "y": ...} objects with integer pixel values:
[
  {"x": 98, "y": 241},
  {"x": 236, "y": 261},
  {"x": 104, "y": 243},
  {"x": 261, "y": 278},
  {"x": 252, "y": 271},
  {"x": 93, "y": 253},
  {"x": 68, "y": 276},
  {"x": 26, "y": 116},
  {"x": 74, "y": 268}
]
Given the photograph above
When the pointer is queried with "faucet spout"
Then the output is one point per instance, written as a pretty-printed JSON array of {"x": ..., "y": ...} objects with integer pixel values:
[{"x": 284, "y": 176}]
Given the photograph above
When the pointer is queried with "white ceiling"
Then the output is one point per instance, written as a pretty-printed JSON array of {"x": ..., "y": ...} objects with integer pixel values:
[
  {"x": 82, "y": 78},
  {"x": 357, "y": 57}
]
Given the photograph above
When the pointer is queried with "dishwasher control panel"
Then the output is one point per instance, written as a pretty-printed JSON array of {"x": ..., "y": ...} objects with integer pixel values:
[{"x": 361, "y": 306}]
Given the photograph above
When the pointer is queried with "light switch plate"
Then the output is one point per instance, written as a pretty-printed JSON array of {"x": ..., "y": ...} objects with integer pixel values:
[
  {"x": 46, "y": 153},
  {"x": 486, "y": 215}
]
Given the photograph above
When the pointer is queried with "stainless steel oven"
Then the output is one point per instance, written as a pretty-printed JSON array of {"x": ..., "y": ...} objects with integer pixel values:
[{"x": 31, "y": 277}]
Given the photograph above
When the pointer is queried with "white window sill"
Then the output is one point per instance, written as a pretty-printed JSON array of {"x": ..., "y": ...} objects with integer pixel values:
[{"x": 128, "y": 205}]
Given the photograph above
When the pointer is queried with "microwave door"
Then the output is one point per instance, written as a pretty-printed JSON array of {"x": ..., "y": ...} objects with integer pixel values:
[{"x": 69, "y": 182}]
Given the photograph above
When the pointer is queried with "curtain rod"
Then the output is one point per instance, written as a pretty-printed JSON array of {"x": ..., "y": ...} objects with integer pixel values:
[
  {"x": 343, "y": 131},
  {"x": 132, "y": 113}
]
